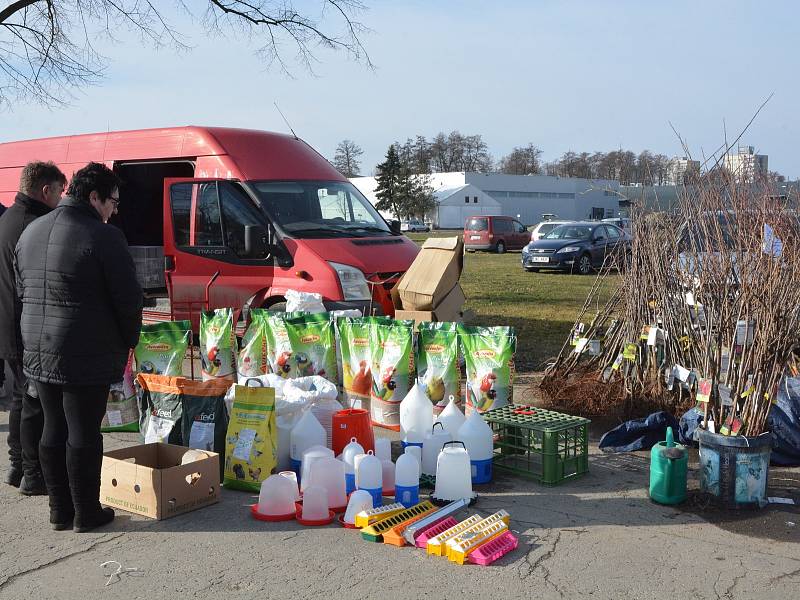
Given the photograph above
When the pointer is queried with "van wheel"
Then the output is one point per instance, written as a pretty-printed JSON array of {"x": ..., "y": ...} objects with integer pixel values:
[
  {"x": 277, "y": 307},
  {"x": 500, "y": 248}
]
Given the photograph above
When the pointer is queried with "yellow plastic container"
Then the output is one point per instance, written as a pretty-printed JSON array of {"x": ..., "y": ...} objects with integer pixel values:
[
  {"x": 437, "y": 544},
  {"x": 367, "y": 517},
  {"x": 374, "y": 532},
  {"x": 459, "y": 551},
  {"x": 499, "y": 516}
]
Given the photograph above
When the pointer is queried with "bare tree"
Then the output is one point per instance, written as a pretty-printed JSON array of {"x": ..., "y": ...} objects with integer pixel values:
[
  {"x": 521, "y": 161},
  {"x": 346, "y": 160},
  {"x": 48, "y": 48}
]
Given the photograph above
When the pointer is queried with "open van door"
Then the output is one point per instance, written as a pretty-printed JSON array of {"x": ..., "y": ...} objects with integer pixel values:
[{"x": 216, "y": 250}]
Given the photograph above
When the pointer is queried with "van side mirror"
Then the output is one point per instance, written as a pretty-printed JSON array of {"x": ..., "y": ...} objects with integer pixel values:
[
  {"x": 255, "y": 241},
  {"x": 394, "y": 226}
]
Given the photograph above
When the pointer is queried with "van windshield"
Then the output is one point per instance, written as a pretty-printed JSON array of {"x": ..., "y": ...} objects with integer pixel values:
[{"x": 319, "y": 209}]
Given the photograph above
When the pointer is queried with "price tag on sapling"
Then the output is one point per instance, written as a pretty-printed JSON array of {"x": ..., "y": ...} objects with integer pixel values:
[
  {"x": 725, "y": 397},
  {"x": 704, "y": 390}
]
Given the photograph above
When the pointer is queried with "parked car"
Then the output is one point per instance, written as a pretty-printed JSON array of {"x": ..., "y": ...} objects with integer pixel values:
[
  {"x": 576, "y": 247},
  {"x": 494, "y": 233},
  {"x": 539, "y": 230},
  {"x": 413, "y": 226}
]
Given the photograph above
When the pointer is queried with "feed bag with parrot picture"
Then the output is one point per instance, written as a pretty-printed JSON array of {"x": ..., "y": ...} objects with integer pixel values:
[
  {"x": 437, "y": 363},
  {"x": 276, "y": 338},
  {"x": 489, "y": 357},
  {"x": 252, "y": 358},
  {"x": 354, "y": 336},
  {"x": 392, "y": 346},
  {"x": 161, "y": 348},
  {"x": 312, "y": 342},
  {"x": 217, "y": 349}
]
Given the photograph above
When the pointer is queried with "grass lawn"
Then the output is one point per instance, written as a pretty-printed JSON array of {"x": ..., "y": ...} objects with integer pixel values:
[{"x": 542, "y": 307}]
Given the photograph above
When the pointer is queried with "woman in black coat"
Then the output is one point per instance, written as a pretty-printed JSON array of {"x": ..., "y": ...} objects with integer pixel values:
[{"x": 81, "y": 313}]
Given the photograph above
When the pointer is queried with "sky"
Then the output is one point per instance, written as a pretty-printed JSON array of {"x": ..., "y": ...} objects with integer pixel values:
[{"x": 591, "y": 75}]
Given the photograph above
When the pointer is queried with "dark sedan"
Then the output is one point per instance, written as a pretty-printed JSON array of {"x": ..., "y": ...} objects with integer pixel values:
[{"x": 576, "y": 247}]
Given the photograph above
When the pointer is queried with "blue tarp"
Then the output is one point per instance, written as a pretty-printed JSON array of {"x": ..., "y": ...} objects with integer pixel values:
[
  {"x": 784, "y": 423},
  {"x": 639, "y": 434}
]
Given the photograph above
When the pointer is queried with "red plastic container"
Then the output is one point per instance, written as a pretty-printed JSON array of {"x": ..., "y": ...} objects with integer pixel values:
[{"x": 352, "y": 423}]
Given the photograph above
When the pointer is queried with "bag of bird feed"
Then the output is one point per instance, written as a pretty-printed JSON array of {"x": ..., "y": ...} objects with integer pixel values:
[
  {"x": 392, "y": 350},
  {"x": 354, "y": 342},
  {"x": 122, "y": 408},
  {"x": 161, "y": 409},
  {"x": 252, "y": 358},
  {"x": 251, "y": 442},
  {"x": 217, "y": 344},
  {"x": 489, "y": 356},
  {"x": 205, "y": 418},
  {"x": 313, "y": 351},
  {"x": 437, "y": 363},
  {"x": 161, "y": 348},
  {"x": 278, "y": 348}
]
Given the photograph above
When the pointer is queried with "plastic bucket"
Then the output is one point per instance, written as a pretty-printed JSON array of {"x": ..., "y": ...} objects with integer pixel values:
[
  {"x": 481, "y": 470},
  {"x": 735, "y": 469},
  {"x": 352, "y": 423}
]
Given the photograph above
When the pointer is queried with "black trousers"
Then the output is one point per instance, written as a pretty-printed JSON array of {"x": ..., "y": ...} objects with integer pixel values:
[
  {"x": 72, "y": 414},
  {"x": 25, "y": 422}
]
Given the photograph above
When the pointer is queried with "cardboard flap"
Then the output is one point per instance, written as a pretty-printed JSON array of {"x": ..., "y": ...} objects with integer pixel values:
[{"x": 442, "y": 243}]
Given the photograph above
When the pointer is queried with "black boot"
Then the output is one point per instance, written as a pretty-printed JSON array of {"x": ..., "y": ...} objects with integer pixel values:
[
  {"x": 54, "y": 470},
  {"x": 83, "y": 466},
  {"x": 14, "y": 475},
  {"x": 32, "y": 484}
]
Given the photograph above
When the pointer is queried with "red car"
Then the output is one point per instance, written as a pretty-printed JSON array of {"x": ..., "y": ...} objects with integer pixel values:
[{"x": 495, "y": 233}]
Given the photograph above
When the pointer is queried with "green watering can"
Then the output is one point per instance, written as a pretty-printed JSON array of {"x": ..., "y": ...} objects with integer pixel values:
[{"x": 668, "y": 467}]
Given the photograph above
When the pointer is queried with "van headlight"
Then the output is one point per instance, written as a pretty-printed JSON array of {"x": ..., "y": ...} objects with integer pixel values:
[{"x": 353, "y": 283}]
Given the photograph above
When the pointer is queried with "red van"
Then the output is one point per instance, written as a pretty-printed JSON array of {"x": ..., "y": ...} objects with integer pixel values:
[
  {"x": 221, "y": 217},
  {"x": 495, "y": 233}
]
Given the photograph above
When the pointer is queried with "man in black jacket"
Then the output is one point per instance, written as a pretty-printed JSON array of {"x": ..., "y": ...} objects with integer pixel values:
[
  {"x": 81, "y": 314},
  {"x": 41, "y": 186}
]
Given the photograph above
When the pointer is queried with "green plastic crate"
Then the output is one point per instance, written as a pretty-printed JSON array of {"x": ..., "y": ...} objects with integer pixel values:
[{"x": 544, "y": 445}]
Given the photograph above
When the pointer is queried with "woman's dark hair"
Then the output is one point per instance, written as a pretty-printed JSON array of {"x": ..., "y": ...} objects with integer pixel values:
[{"x": 93, "y": 177}]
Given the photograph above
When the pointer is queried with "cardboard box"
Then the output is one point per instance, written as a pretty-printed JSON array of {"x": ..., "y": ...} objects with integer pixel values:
[
  {"x": 149, "y": 480},
  {"x": 432, "y": 275},
  {"x": 448, "y": 311}
]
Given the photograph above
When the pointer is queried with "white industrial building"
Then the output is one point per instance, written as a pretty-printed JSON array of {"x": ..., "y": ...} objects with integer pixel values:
[
  {"x": 746, "y": 165},
  {"x": 526, "y": 197}
]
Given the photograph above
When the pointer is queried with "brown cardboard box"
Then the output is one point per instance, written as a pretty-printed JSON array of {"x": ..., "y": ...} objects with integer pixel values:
[
  {"x": 149, "y": 480},
  {"x": 432, "y": 275},
  {"x": 448, "y": 310}
]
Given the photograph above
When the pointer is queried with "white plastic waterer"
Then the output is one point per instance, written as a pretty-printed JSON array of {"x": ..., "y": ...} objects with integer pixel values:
[
  {"x": 416, "y": 416},
  {"x": 453, "y": 474},
  {"x": 369, "y": 476},
  {"x": 431, "y": 447},
  {"x": 451, "y": 417},
  {"x": 328, "y": 473},
  {"x": 310, "y": 456},
  {"x": 406, "y": 479},
  {"x": 349, "y": 454},
  {"x": 307, "y": 433},
  {"x": 478, "y": 440}
]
